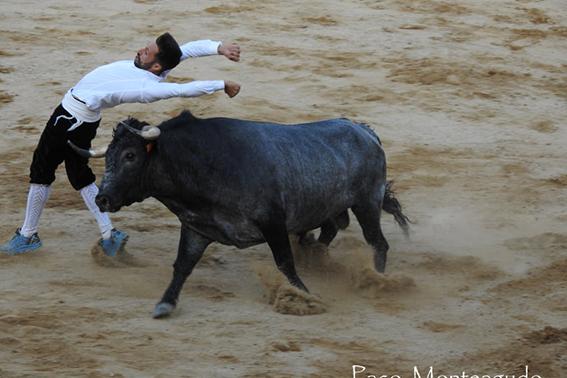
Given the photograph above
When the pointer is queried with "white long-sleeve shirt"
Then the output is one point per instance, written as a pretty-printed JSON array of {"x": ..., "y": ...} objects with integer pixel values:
[{"x": 122, "y": 82}]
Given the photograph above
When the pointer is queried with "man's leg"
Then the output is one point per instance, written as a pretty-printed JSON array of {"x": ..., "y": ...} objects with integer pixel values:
[
  {"x": 112, "y": 240},
  {"x": 46, "y": 157},
  {"x": 26, "y": 238},
  {"x": 83, "y": 179},
  {"x": 89, "y": 194},
  {"x": 37, "y": 198}
]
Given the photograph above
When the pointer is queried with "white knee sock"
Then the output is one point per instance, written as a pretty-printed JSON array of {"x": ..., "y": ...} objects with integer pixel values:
[
  {"x": 37, "y": 197},
  {"x": 89, "y": 193}
]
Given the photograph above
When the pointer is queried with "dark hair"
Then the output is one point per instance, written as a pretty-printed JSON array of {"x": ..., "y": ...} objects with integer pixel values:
[{"x": 169, "y": 53}]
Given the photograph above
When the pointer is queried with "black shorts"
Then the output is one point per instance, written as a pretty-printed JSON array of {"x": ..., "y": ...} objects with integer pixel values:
[{"x": 52, "y": 150}]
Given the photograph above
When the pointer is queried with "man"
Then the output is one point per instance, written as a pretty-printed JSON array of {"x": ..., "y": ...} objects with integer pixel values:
[{"x": 78, "y": 116}]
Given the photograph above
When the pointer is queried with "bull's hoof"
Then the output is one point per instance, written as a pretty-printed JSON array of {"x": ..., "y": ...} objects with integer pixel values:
[
  {"x": 380, "y": 267},
  {"x": 163, "y": 310},
  {"x": 380, "y": 263}
]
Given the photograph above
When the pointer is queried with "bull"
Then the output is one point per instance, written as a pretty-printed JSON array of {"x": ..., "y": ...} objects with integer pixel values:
[{"x": 242, "y": 183}]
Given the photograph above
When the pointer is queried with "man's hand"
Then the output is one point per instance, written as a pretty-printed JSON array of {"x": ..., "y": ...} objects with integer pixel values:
[
  {"x": 231, "y": 88},
  {"x": 231, "y": 51}
]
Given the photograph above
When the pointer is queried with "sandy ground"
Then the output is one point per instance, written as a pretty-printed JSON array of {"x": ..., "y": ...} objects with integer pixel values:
[{"x": 469, "y": 98}]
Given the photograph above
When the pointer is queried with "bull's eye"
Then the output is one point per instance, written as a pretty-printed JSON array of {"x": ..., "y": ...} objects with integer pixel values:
[{"x": 129, "y": 156}]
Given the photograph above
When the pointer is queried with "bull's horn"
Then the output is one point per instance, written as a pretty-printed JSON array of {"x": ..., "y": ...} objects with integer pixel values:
[
  {"x": 150, "y": 132},
  {"x": 147, "y": 132},
  {"x": 92, "y": 153}
]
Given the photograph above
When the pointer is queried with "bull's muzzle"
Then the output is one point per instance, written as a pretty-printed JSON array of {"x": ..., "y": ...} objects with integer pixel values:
[{"x": 103, "y": 203}]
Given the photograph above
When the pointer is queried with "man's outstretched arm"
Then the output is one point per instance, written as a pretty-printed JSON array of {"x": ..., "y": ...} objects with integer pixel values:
[
  {"x": 160, "y": 91},
  {"x": 207, "y": 47}
]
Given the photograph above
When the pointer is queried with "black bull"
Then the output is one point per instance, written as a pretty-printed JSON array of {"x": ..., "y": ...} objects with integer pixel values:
[{"x": 243, "y": 183}]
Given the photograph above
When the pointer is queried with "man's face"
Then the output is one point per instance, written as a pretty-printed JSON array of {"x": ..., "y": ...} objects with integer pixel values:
[{"x": 146, "y": 56}]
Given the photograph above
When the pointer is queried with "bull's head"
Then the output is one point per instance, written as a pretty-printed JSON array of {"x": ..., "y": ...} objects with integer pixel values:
[{"x": 127, "y": 158}]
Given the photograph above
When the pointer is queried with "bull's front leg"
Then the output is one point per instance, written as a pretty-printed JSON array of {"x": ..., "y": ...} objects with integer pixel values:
[
  {"x": 191, "y": 248},
  {"x": 277, "y": 238}
]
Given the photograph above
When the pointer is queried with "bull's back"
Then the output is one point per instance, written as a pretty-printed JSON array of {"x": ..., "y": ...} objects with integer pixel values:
[
  {"x": 294, "y": 153},
  {"x": 263, "y": 144},
  {"x": 312, "y": 170},
  {"x": 329, "y": 139},
  {"x": 316, "y": 168}
]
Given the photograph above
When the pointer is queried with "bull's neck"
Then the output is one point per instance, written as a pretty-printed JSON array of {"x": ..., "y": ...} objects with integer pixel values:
[{"x": 157, "y": 181}]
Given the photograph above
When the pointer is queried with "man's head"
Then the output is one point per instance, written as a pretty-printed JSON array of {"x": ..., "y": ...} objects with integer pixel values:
[{"x": 161, "y": 55}]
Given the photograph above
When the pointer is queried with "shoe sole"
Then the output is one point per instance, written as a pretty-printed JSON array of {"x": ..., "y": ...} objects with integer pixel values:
[
  {"x": 20, "y": 251},
  {"x": 121, "y": 243}
]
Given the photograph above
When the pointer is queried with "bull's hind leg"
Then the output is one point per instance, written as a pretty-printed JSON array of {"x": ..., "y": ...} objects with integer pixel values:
[
  {"x": 329, "y": 230},
  {"x": 191, "y": 248},
  {"x": 368, "y": 214},
  {"x": 277, "y": 239},
  {"x": 331, "y": 227}
]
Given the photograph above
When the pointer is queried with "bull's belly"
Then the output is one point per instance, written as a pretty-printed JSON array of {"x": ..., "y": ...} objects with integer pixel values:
[
  {"x": 296, "y": 226},
  {"x": 218, "y": 226},
  {"x": 241, "y": 234},
  {"x": 310, "y": 214}
]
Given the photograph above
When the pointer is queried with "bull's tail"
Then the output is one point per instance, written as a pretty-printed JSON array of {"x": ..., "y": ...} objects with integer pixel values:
[{"x": 392, "y": 205}]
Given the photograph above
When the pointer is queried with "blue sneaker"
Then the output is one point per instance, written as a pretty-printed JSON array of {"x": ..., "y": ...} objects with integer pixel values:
[
  {"x": 116, "y": 242},
  {"x": 21, "y": 244}
]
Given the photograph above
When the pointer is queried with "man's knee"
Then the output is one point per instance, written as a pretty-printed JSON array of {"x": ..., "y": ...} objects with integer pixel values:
[
  {"x": 43, "y": 174},
  {"x": 42, "y": 180},
  {"x": 82, "y": 180}
]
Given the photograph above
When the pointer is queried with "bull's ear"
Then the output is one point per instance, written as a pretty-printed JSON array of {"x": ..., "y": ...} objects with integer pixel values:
[{"x": 149, "y": 147}]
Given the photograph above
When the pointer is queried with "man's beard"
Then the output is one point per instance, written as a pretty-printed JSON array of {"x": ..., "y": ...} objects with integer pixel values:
[{"x": 139, "y": 64}]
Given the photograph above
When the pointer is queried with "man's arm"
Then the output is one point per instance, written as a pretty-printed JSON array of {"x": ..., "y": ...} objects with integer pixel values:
[
  {"x": 207, "y": 47},
  {"x": 196, "y": 49},
  {"x": 197, "y": 88},
  {"x": 160, "y": 91}
]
